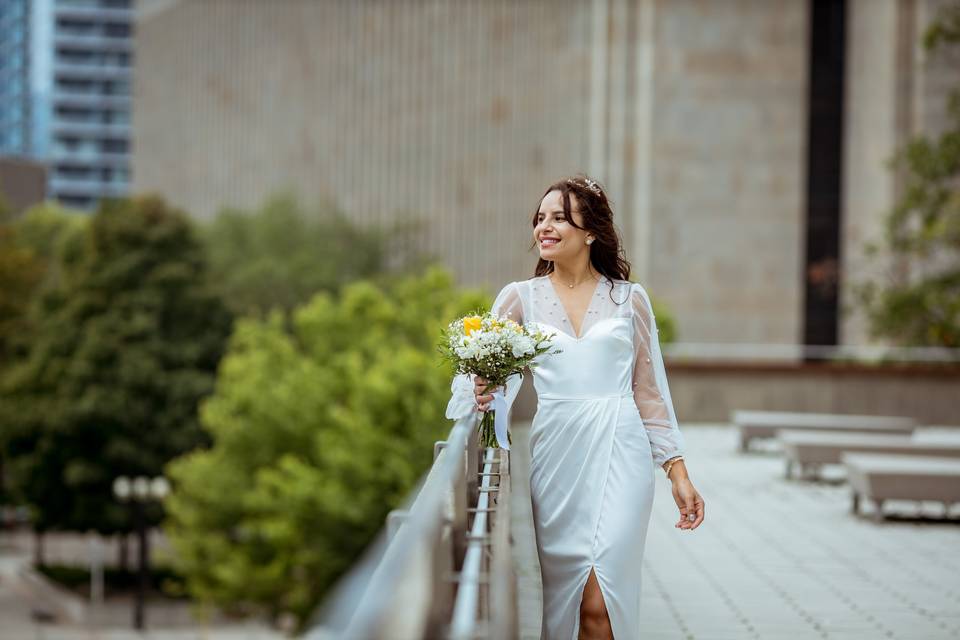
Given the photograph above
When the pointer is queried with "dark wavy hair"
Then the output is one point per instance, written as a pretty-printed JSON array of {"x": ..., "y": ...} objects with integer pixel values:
[{"x": 606, "y": 251}]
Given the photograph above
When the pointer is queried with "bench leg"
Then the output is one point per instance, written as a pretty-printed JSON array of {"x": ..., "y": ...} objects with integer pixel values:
[
  {"x": 744, "y": 442},
  {"x": 788, "y": 472},
  {"x": 855, "y": 503},
  {"x": 878, "y": 512}
]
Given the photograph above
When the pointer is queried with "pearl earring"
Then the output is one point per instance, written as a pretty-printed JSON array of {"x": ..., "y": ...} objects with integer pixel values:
[{"x": 589, "y": 240}]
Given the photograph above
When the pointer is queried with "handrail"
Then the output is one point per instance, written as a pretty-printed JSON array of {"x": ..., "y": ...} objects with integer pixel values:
[
  {"x": 466, "y": 608},
  {"x": 777, "y": 352},
  {"x": 441, "y": 575}
]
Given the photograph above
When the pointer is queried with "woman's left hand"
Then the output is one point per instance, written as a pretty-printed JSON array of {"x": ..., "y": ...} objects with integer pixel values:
[{"x": 689, "y": 501}]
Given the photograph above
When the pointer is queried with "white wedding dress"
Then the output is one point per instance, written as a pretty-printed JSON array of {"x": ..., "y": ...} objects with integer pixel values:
[{"x": 604, "y": 423}]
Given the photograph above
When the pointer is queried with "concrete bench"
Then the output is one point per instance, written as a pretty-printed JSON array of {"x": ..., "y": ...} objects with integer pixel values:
[
  {"x": 880, "y": 477},
  {"x": 764, "y": 424},
  {"x": 810, "y": 450}
]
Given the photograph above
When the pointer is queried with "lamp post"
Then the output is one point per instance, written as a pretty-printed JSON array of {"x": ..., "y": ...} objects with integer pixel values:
[{"x": 137, "y": 492}]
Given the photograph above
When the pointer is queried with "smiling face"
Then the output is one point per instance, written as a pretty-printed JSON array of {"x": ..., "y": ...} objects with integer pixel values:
[{"x": 557, "y": 238}]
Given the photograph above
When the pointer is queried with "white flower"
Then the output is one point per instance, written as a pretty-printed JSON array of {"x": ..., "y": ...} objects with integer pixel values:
[{"x": 522, "y": 346}]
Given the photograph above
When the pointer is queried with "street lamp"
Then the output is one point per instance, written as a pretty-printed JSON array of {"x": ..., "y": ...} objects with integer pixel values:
[{"x": 137, "y": 492}]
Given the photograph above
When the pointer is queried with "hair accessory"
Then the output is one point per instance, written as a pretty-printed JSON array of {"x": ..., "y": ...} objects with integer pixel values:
[{"x": 593, "y": 186}]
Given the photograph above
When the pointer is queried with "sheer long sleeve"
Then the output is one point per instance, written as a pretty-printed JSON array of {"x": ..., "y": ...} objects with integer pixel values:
[
  {"x": 650, "y": 390},
  {"x": 462, "y": 401}
]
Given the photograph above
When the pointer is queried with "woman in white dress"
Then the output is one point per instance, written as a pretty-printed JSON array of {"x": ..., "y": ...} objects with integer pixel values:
[{"x": 604, "y": 418}]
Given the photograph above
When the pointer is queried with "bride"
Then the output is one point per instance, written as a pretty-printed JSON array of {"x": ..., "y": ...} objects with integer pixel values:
[{"x": 604, "y": 417}]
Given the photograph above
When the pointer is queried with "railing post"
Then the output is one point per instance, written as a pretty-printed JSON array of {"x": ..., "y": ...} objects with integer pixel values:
[
  {"x": 466, "y": 494},
  {"x": 395, "y": 519},
  {"x": 503, "y": 619}
]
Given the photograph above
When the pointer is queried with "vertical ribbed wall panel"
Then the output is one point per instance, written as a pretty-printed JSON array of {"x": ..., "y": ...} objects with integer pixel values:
[
  {"x": 457, "y": 113},
  {"x": 462, "y": 112}
]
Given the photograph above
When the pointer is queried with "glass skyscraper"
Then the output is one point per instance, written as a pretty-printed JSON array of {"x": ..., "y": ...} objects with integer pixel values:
[
  {"x": 65, "y": 72},
  {"x": 15, "y": 109}
]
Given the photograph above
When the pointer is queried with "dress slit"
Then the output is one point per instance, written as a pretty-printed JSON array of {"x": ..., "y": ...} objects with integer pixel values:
[
  {"x": 603, "y": 595},
  {"x": 596, "y": 528}
]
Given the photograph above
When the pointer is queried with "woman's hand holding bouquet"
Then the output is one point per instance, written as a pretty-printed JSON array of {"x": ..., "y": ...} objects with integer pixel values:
[{"x": 492, "y": 349}]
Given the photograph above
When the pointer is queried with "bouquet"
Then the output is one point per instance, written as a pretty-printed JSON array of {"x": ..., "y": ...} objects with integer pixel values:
[{"x": 494, "y": 348}]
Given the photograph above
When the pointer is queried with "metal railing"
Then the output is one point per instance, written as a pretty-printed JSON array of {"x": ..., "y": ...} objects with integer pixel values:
[
  {"x": 446, "y": 568},
  {"x": 769, "y": 352}
]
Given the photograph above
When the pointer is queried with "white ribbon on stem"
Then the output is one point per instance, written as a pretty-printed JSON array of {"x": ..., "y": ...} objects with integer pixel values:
[{"x": 499, "y": 407}]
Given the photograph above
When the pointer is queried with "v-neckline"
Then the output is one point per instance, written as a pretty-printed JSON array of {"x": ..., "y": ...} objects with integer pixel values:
[{"x": 566, "y": 314}]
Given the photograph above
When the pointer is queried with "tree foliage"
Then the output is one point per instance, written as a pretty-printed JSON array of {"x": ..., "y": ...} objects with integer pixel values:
[
  {"x": 120, "y": 354},
  {"x": 54, "y": 233},
  {"x": 21, "y": 272},
  {"x": 319, "y": 428},
  {"x": 918, "y": 302},
  {"x": 6, "y": 211},
  {"x": 282, "y": 254},
  {"x": 33, "y": 250}
]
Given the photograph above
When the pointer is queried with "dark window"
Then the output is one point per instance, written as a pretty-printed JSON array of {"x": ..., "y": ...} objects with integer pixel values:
[
  {"x": 824, "y": 164},
  {"x": 78, "y": 202},
  {"x": 116, "y": 88},
  {"x": 116, "y": 30},
  {"x": 113, "y": 146},
  {"x": 116, "y": 117},
  {"x": 69, "y": 84},
  {"x": 74, "y": 113},
  {"x": 73, "y": 171},
  {"x": 75, "y": 27}
]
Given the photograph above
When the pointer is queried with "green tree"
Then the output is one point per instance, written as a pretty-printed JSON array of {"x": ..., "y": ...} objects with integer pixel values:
[
  {"x": 6, "y": 211},
  {"x": 319, "y": 428},
  {"x": 122, "y": 351},
  {"x": 282, "y": 254},
  {"x": 918, "y": 301},
  {"x": 54, "y": 233},
  {"x": 33, "y": 249},
  {"x": 21, "y": 272}
]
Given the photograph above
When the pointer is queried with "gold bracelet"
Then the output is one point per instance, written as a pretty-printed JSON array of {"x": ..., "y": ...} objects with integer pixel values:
[{"x": 670, "y": 463}]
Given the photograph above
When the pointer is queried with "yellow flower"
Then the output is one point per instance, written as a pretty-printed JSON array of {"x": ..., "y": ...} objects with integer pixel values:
[{"x": 471, "y": 324}]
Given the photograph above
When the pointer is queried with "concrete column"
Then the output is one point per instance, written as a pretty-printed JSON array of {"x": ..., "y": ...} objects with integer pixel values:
[
  {"x": 894, "y": 91},
  {"x": 639, "y": 158},
  {"x": 598, "y": 89}
]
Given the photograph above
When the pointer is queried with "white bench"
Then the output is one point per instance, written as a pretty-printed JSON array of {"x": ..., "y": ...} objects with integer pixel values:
[
  {"x": 880, "y": 477},
  {"x": 810, "y": 450},
  {"x": 765, "y": 424}
]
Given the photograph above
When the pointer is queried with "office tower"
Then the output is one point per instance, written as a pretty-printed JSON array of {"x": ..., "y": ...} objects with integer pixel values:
[
  {"x": 65, "y": 67},
  {"x": 14, "y": 77}
]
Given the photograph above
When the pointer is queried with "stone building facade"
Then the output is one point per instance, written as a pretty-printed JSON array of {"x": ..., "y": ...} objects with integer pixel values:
[{"x": 695, "y": 115}]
